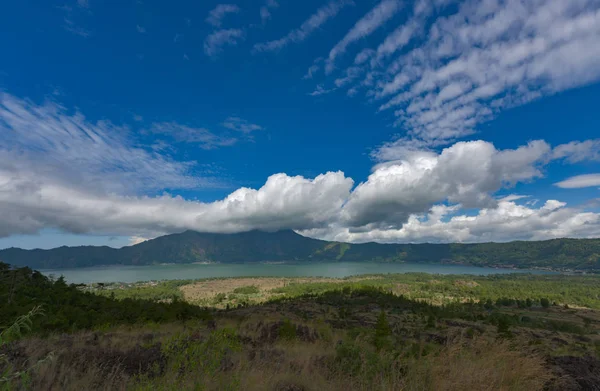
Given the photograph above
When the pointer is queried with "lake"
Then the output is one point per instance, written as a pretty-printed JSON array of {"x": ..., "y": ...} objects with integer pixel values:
[{"x": 194, "y": 271}]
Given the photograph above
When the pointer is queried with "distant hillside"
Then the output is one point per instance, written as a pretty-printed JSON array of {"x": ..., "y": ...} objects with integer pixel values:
[{"x": 258, "y": 246}]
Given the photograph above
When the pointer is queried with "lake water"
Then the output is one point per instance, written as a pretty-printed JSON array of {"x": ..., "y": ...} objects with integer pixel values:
[{"x": 194, "y": 271}]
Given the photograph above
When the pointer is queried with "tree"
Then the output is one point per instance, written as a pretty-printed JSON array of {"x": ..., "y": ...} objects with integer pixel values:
[
  {"x": 545, "y": 302},
  {"x": 382, "y": 330},
  {"x": 504, "y": 325}
]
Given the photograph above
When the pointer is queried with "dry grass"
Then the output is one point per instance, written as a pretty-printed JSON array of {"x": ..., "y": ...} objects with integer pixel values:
[
  {"x": 96, "y": 361},
  {"x": 484, "y": 365},
  {"x": 208, "y": 289},
  {"x": 415, "y": 357}
]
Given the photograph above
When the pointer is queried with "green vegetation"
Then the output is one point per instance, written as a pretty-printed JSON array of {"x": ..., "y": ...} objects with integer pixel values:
[
  {"x": 573, "y": 290},
  {"x": 247, "y": 290},
  {"x": 388, "y": 332},
  {"x": 67, "y": 308},
  {"x": 285, "y": 246}
]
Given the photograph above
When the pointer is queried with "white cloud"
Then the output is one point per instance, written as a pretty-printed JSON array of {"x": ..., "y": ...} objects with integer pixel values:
[
  {"x": 187, "y": 134},
  {"x": 487, "y": 57},
  {"x": 240, "y": 125},
  {"x": 374, "y": 19},
  {"x": 351, "y": 74},
  {"x": 67, "y": 148},
  {"x": 59, "y": 170},
  {"x": 580, "y": 181},
  {"x": 506, "y": 222},
  {"x": 71, "y": 27},
  {"x": 320, "y": 90},
  {"x": 363, "y": 56},
  {"x": 29, "y": 203},
  {"x": 468, "y": 173},
  {"x": 577, "y": 151},
  {"x": 313, "y": 23},
  {"x": 216, "y": 15},
  {"x": 265, "y": 13},
  {"x": 445, "y": 70},
  {"x": 213, "y": 44},
  {"x": 313, "y": 69},
  {"x": 398, "y": 39}
]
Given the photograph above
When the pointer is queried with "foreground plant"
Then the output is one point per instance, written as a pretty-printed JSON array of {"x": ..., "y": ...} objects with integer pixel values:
[{"x": 14, "y": 332}]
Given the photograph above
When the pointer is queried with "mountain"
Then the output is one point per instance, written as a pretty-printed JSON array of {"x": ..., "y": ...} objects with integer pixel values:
[{"x": 281, "y": 246}]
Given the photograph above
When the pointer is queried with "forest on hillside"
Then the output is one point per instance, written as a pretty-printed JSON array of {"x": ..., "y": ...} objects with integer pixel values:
[{"x": 288, "y": 246}]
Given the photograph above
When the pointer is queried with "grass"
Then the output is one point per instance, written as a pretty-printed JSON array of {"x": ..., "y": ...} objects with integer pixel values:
[
  {"x": 363, "y": 339},
  {"x": 579, "y": 291},
  {"x": 384, "y": 332}
]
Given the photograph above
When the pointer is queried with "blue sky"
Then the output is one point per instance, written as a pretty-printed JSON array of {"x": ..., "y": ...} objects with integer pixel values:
[{"x": 393, "y": 121}]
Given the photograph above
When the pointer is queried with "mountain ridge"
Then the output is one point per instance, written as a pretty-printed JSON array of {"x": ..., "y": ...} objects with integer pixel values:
[{"x": 289, "y": 246}]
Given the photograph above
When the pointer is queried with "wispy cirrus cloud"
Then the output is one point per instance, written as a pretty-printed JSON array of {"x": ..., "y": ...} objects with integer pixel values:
[
  {"x": 47, "y": 141},
  {"x": 487, "y": 57},
  {"x": 265, "y": 10},
  {"x": 320, "y": 90},
  {"x": 71, "y": 27},
  {"x": 310, "y": 25},
  {"x": 214, "y": 43},
  {"x": 191, "y": 135},
  {"x": 373, "y": 20},
  {"x": 240, "y": 125},
  {"x": 450, "y": 66},
  {"x": 216, "y": 15},
  {"x": 313, "y": 69}
]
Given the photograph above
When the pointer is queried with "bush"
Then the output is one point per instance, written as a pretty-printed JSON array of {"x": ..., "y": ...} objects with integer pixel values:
[
  {"x": 247, "y": 290},
  {"x": 287, "y": 331}
]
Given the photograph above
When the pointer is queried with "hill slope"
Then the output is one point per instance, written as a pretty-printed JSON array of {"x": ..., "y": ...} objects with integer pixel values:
[{"x": 258, "y": 246}]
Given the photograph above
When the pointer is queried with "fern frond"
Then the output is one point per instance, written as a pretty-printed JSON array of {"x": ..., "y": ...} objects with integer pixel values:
[{"x": 22, "y": 324}]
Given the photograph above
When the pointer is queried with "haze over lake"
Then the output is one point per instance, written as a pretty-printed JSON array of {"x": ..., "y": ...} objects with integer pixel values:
[{"x": 195, "y": 271}]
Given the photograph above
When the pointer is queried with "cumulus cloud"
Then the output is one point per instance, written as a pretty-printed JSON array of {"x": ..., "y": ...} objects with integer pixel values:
[
  {"x": 313, "y": 23},
  {"x": 30, "y": 203},
  {"x": 580, "y": 181},
  {"x": 467, "y": 173},
  {"x": 506, "y": 222},
  {"x": 59, "y": 170},
  {"x": 214, "y": 43},
  {"x": 216, "y": 15}
]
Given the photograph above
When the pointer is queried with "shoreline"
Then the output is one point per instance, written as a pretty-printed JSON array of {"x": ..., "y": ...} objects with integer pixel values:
[{"x": 561, "y": 270}]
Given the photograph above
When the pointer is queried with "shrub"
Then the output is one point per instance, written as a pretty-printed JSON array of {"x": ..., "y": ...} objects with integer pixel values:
[
  {"x": 247, "y": 290},
  {"x": 287, "y": 331}
]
